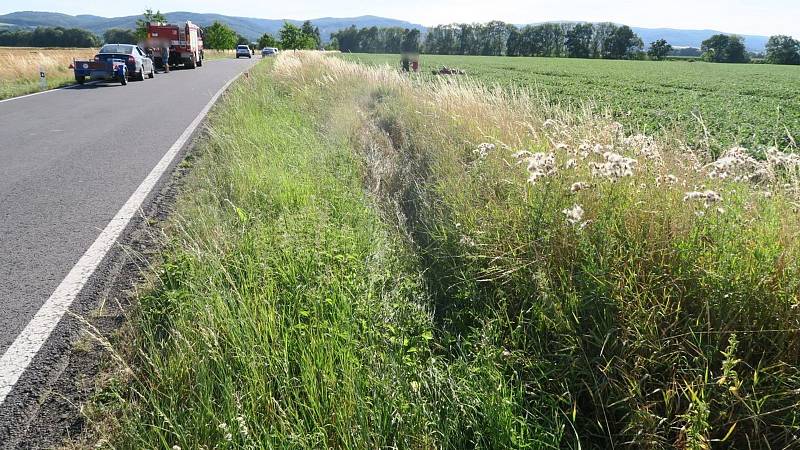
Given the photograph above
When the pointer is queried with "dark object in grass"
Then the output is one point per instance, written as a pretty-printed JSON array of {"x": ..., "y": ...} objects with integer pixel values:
[{"x": 449, "y": 71}]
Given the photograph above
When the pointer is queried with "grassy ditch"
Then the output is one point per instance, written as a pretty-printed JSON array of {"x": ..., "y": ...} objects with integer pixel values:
[
  {"x": 365, "y": 260},
  {"x": 287, "y": 314}
]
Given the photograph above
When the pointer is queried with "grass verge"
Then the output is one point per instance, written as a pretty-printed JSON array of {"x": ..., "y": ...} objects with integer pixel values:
[
  {"x": 19, "y": 74},
  {"x": 287, "y": 314},
  {"x": 366, "y": 260},
  {"x": 219, "y": 54}
]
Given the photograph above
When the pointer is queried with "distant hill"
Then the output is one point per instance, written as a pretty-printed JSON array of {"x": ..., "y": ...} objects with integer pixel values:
[
  {"x": 249, "y": 27},
  {"x": 252, "y": 28},
  {"x": 692, "y": 38}
]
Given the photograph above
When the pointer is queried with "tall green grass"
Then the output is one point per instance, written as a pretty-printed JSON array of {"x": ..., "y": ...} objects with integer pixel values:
[
  {"x": 655, "y": 321},
  {"x": 363, "y": 260},
  {"x": 286, "y": 314}
]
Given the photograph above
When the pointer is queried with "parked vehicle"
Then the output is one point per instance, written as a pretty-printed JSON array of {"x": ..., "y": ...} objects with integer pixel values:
[
  {"x": 268, "y": 51},
  {"x": 115, "y": 62},
  {"x": 242, "y": 51},
  {"x": 185, "y": 44}
]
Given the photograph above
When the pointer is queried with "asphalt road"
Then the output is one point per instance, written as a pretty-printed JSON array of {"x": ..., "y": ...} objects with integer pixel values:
[{"x": 69, "y": 160}]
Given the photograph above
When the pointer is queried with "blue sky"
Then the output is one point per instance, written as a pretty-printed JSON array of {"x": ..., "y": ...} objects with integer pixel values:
[{"x": 765, "y": 17}]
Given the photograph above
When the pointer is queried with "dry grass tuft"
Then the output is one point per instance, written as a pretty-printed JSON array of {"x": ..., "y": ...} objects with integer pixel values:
[{"x": 19, "y": 73}]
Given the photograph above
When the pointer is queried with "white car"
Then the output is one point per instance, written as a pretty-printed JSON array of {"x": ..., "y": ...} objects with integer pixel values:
[
  {"x": 242, "y": 51},
  {"x": 269, "y": 51}
]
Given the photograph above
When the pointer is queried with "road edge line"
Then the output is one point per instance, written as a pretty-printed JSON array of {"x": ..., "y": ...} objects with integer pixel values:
[{"x": 19, "y": 355}]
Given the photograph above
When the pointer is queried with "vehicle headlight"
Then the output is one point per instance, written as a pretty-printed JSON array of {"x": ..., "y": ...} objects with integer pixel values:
[{"x": 85, "y": 66}]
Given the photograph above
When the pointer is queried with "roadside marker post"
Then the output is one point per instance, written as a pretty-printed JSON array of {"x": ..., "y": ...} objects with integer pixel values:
[{"x": 42, "y": 80}]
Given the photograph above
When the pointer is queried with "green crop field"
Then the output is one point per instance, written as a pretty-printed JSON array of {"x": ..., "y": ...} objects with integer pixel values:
[{"x": 751, "y": 105}]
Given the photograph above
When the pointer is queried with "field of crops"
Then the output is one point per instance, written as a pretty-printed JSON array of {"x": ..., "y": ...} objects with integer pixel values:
[
  {"x": 19, "y": 71},
  {"x": 747, "y": 104}
]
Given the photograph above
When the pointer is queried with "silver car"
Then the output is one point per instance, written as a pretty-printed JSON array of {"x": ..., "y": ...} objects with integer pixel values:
[
  {"x": 137, "y": 62},
  {"x": 242, "y": 51}
]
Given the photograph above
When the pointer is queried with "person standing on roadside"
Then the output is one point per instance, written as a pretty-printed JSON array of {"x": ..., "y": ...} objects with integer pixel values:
[{"x": 165, "y": 55}]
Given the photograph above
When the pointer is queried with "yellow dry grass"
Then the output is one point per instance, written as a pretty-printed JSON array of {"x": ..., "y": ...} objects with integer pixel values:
[
  {"x": 211, "y": 54},
  {"x": 19, "y": 72}
]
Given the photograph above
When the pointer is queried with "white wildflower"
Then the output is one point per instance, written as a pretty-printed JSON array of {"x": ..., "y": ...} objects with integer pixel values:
[
  {"x": 467, "y": 241},
  {"x": 708, "y": 197},
  {"x": 522, "y": 154},
  {"x": 574, "y": 214},
  {"x": 535, "y": 176},
  {"x": 579, "y": 186},
  {"x": 540, "y": 165},
  {"x": 584, "y": 149},
  {"x": 562, "y": 146},
  {"x": 228, "y": 437},
  {"x": 243, "y": 430},
  {"x": 785, "y": 162},
  {"x": 666, "y": 179},
  {"x": 570, "y": 164},
  {"x": 176, "y": 447},
  {"x": 736, "y": 163},
  {"x": 643, "y": 145},
  {"x": 223, "y": 426},
  {"x": 483, "y": 150},
  {"x": 615, "y": 167}
]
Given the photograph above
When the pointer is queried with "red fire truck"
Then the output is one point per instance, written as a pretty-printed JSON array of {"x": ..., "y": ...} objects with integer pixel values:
[{"x": 185, "y": 43}]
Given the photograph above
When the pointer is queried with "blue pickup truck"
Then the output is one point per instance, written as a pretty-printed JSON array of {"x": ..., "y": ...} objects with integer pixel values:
[{"x": 115, "y": 62}]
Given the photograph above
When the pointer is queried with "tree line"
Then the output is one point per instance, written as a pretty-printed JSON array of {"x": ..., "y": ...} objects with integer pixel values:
[
  {"x": 376, "y": 40},
  {"x": 577, "y": 40},
  {"x": 731, "y": 49},
  {"x": 49, "y": 37},
  {"x": 305, "y": 37},
  {"x": 783, "y": 50}
]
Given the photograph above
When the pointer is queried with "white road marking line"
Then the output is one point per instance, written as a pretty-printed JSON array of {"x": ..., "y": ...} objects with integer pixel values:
[{"x": 19, "y": 355}]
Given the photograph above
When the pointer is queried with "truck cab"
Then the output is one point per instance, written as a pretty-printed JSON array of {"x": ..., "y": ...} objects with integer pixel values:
[{"x": 185, "y": 42}]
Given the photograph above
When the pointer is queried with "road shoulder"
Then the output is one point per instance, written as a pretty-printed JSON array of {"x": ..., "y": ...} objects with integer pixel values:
[{"x": 43, "y": 411}]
